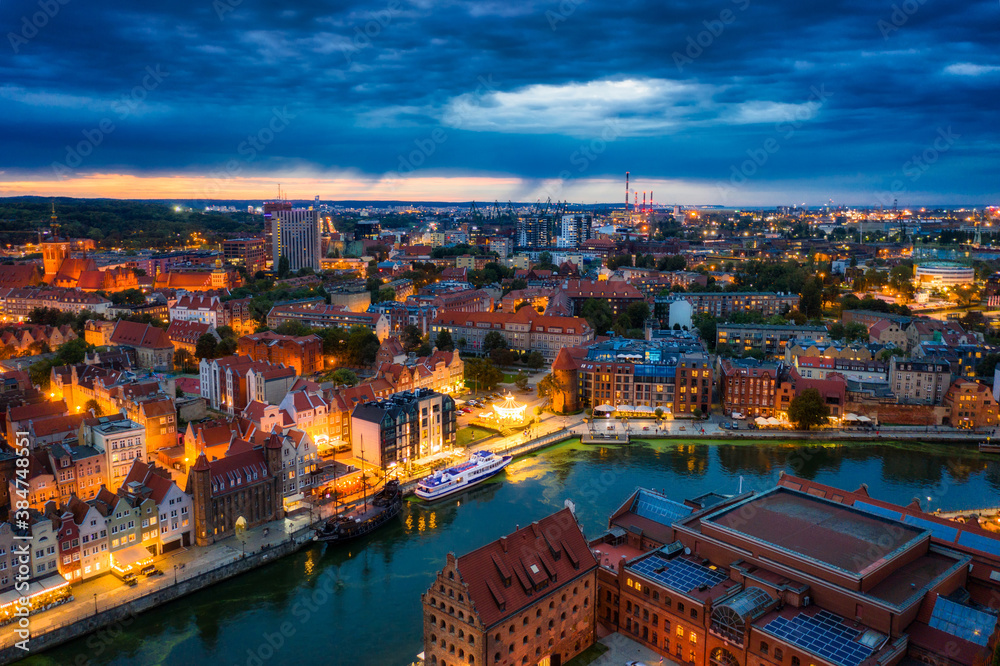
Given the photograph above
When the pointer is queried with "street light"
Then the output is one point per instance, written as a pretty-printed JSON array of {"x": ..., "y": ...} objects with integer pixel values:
[{"x": 95, "y": 603}]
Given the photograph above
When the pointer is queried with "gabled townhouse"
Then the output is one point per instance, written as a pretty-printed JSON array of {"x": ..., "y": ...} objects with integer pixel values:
[
  {"x": 309, "y": 412},
  {"x": 298, "y": 465},
  {"x": 44, "y": 545},
  {"x": 154, "y": 350},
  {"x": 185, "y": 334},
  {"x": 230, "y": 383},
  {"x": 175, "y": 520},
  {"x": 68, "y": 539},
  {"x": 94, "y": 554}
]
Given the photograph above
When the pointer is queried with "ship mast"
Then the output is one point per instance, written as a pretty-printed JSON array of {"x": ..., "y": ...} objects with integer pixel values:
[{"x": 364, "y": 479}]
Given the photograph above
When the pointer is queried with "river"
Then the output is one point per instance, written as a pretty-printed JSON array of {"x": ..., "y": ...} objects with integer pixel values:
[{"x": 360, "y": 605}]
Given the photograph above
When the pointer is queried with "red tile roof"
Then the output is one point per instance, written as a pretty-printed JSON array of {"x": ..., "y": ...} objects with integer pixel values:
[
  {"x": 37, "y": 411},
  {"x": 503, "y": 577},
  {"x": 134, "y": 334}
]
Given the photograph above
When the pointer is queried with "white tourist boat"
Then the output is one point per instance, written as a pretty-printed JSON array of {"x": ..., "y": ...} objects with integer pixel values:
[{"x": 481, "y": 466}]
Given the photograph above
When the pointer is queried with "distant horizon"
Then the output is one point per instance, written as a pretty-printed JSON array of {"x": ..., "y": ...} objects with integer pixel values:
[{"x": 484, "y": 205}]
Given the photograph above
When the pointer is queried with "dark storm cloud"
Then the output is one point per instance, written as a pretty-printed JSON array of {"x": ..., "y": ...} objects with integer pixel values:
[{"x": 691, "y": 86}]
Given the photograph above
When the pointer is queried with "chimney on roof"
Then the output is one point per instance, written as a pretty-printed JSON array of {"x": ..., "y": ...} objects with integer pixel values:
[{"x": 503, "y": 544}]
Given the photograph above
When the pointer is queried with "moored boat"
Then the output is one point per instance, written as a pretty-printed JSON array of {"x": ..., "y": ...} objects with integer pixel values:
[
  {"x": 989, "y": 447},
  {"x": 385, "y": 505},
  {"x": 481, "y": 466}
]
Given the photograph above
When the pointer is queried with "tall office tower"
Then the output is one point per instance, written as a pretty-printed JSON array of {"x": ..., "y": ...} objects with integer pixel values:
[
  {"x": 270, "y": 208},
  {"x": 295, "y": 234},
  {"x": 576, "y": 228},
  {"x": 534, "y": 231}
]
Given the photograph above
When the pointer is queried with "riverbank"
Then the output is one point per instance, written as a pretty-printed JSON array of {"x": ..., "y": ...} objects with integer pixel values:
[
  {"x": 117, "y": 617},
  {"x": 690, "y": 460},
  {"x": 346, "y": 600}
]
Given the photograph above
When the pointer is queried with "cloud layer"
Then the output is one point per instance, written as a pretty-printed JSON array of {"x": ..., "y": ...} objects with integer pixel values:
[{"x": 505, "y": 97}]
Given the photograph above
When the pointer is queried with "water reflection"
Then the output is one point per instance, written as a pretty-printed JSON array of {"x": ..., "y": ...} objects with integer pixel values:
[{"x": 373, "y": 615}]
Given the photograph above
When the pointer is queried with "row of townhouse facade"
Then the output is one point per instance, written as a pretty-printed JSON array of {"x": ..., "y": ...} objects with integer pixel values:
[{"x": 524, "y": 331}]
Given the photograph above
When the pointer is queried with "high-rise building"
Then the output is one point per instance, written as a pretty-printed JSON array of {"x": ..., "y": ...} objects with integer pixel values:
[
  {"x": 295, "y": 234},
  {"x": 367, "y": 230},
  {"x": 248, "y": 252},
  {"x": 575, "y": 228},
  {"x": 534, "y": 231}
]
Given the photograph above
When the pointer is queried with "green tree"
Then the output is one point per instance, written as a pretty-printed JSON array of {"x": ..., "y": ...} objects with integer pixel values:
[
  {"x": 637, "y": 313},
  {"x": 535, "y": 360},
  {"x": 545, "y": 262},
  {"x": 494, "y": 340},
  {"x": 206, "y": 346},
  {"x": 987, "y": 365},
  {"x": 598, "y": 314},
  {"x": 93, "y": 405},
  {"x": 521, "y": 381},
  {"x": 811, "y": 299},
  {"x": 856, "y": 332},
  {"x": 482, "y": 374},
  {"x": 547, "y": 387},
  {"x": 384, "y": 294},
  {"x": 411, "y": 338},
  {"x": 443, "y": 340},
  {"x": 707, "y": 326},
  {"x": 284, "y": 267},
  {"x": 362, "y": 346},
  {"x": 503, "y": 357},
  {"x": 182, "y": 360},
  {"x": 132, "y": 297},
  {"x": 344, "y": 376},
  {"x": 808, "y": 409},
  {"x": 226, "y": 347},
  {"x": 226, "y": 332}
]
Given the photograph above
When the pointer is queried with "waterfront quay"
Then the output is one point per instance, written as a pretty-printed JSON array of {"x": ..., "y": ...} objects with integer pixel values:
[{"x": 104, "y": 602}]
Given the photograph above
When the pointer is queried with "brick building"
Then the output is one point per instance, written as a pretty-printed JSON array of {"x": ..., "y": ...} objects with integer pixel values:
[
  {"x": 798, "y": 574},
  {"x": 630, "y": 374},
  {"x": 769, "y": 339},
  {"x": 250, "y": 253},
  {"x": 245, "y": 483},
  {"x": 617, "y": 293},
  {"x": 972, "y": 405},
  {"x": 749, "y": 388},
  {"x": 526, "y": 598},
  {"x": 304, "y": 352},
  {"x": 524, "y": 330},
  {"x": 722, "y": 304}
]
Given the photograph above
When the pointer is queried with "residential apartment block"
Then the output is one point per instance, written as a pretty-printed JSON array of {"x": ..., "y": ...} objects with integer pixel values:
[
  {"x": 524, "y": 330},
  {"x": 921, "y": 381},
  {"x": 768, "y": 339},
  {"x": 403, "y": 427},
  {"x": 327, "y": 316}
]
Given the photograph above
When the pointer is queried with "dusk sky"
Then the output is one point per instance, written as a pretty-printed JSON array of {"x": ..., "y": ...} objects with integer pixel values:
[{"x": 745, "y": 102}]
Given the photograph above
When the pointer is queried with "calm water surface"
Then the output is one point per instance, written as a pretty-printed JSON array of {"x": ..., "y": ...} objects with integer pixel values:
[{"x": 360, "y": 604}]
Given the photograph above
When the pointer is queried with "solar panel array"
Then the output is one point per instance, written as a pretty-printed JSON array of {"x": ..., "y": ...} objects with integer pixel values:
[
  {"x": 942, "y": 532},
  {"x": 979, "y": 542},
  {"x": 658, "y": 508},
  {"x": 678, "y": 574},
  {"x": 823, "y": 634},
  {"x": 878, "y": 510},
  {"x": 962, "y": 621}
]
